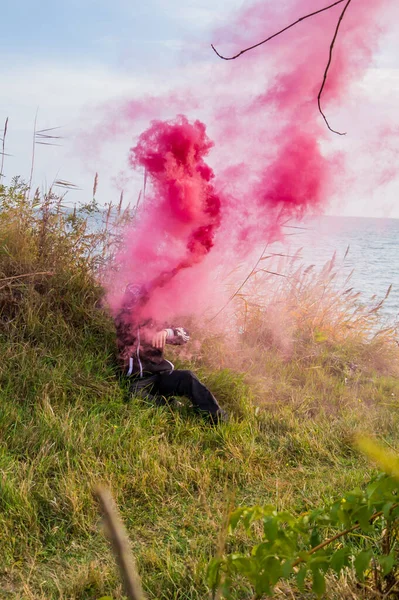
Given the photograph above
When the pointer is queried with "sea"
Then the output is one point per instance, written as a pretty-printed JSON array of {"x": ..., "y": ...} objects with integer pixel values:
[{"x": 367, "y": 246}]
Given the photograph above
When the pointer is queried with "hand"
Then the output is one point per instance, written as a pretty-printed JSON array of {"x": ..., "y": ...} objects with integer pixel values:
[{"x": 159, "y": 339}]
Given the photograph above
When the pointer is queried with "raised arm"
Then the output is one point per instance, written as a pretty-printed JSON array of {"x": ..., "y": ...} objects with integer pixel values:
[{"x": 177, "y": 336}]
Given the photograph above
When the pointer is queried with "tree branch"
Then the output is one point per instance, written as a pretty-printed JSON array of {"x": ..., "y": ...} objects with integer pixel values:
[
  {"x": 276, "y": 34},
  {"x": 341, "y": 533},
  {"x": 328, "y": 68},
  {"x": 3, "y": 154},
  {"x": 329, "y": 58},
  {"x": 120, "y": 544},
  {"x": 9, "y": 279}
]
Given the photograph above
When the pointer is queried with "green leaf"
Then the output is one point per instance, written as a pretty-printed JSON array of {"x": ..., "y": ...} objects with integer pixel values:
[
  {"x": 386, "y": 509},
  {"x": 375, "y": 487},
  {"x": 262, "y": 584},
  {"x": 225, "y": 588},
  {"x": 383, "y": 486},
  {"x": 273, "y": 568},
  {"x": 245, "y": 566},
  {"x": 300, "y": 578},
  {"x": 387, "y": 562},
  {"x": 263, "y": 551},
  {"x": 270, "y": 528},
  {"x": 251, "y": 515},
  {"x": 314, "y": 538},
  {"x": 286, "y": 568},
  {"x": 339, "y": 560},
  {"x": 286, "y": 517},
  {"x": 235, "y": 517},
  {"x": 363, "y": 516},
  {"x": 213, "y": 573},
  {"x": 319, "y": 561},
  {"x": 362, "y": 562},
  {"x": 319, "y": 583}
]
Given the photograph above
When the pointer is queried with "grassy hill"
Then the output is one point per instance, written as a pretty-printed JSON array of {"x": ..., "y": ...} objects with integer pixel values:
[{"x": 67, "y": 422}]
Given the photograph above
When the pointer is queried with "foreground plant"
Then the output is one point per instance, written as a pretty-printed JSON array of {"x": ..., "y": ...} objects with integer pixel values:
[{"x": 359, "y": 530}]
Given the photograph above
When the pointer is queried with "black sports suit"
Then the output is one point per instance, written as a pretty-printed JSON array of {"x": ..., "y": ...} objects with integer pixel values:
[{"x": 151, "y": 374}]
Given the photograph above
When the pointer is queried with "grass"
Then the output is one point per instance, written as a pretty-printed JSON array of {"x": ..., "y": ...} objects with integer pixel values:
[{"x": 66, "y": 423}]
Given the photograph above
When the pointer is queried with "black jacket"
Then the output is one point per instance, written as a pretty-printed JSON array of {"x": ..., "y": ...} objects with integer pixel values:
[{"x": 136, "y": 354}]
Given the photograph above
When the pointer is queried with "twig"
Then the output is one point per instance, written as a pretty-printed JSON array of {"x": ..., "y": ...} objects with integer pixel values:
[
  {"x": 62, "y": 183},
  {"x": 339, "y": 535},
  {"x": 95, "y": 183},
  {"x": 117, "y": 536},
  {"x": 390, "y": 590},
  {"x": 3, "y": 147},
  {"x": 328, "y": 68},
  {"x": 271, "y": 273},
  {"x": 8, "y": 279},
  {"x": 241, "y": 286},
  {"x": 330, "y": 51},
  {"x": 297, "y": 227},
  {"x": 32, "y": 166},
  {"x": 43, "y": 137},
  {"x": 26, "y": 275},
  {"x": 276, "y": 34}
]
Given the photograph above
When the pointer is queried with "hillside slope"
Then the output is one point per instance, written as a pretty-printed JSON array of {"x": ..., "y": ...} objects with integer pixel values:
[{"x": 67, "y": 422}]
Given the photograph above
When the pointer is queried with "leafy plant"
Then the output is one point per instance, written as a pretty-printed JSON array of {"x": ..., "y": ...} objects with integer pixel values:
[{"x": 315, "y": 543}]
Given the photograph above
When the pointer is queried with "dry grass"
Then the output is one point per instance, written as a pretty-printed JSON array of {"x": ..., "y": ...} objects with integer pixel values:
[
  {"x": 306, "y": 324},
  {"x": 65, "y": 424}
]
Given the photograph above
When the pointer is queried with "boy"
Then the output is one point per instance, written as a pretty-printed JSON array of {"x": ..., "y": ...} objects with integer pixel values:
[{"x": 141, "y": 346}]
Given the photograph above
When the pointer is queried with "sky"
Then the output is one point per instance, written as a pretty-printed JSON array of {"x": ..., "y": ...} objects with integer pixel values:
[{"x": 62, "y": 61}]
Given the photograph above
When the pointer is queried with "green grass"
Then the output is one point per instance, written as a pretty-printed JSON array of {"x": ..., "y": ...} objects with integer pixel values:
[
  {"x": 67, "y": 423},
  {"x": 67, "y": 427}
]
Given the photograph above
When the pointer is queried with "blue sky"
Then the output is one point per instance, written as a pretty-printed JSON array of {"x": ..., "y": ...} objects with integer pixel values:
[
  {"x": 63, "y": 57},
  {"x": 118, "y": 33}
]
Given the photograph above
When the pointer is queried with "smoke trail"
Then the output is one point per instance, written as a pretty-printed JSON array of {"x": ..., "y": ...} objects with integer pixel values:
[
  {"x": 177, "y": 225},
  {"x": 271, "y": 153}
]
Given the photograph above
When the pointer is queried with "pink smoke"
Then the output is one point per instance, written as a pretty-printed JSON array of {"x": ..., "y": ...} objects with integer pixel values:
[
  {"x": 270, "y": 150},
  {"x": 177, "y": 226}
]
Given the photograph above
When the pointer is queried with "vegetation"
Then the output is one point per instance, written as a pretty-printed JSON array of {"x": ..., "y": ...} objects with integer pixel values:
[
  {"x": 298, "y": 547},
  {"x": 67, "y": 422}
]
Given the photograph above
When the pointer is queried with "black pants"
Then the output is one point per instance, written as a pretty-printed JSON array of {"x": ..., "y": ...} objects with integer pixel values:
[{"x": 177, "y": 383}]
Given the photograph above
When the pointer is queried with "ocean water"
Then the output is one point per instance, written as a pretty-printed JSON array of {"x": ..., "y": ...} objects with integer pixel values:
[{"x": 373, "y": 254}]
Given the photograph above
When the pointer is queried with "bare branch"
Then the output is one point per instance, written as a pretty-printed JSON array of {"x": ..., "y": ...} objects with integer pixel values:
[
  {"x": 8, "y": 280},
  {"x": 120, "y": 544},
  {"x": 3, "y": 153},
  {"x": 242, "y": 284},
  {"x": 95, "y": 184},
  {"x": 42, "y": 131},
  {"x": 65, "y": 184},
  {"x": 329, "y": 58},
  {"x": 328, "y": 68},
  {"x": 276, "y": 34},
  {"x": 270, "y": 273},
  {"x": 26, "y": 275},
  {"x": 341, "y": 534},
  {"x": 32, "y": 166}
]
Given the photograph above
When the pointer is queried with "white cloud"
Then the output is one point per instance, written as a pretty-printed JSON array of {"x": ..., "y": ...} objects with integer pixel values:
[
  {"x": 204, "y": 14},
  {"x": 70, "y": 95},
  {"x": 62, "y": 94}
]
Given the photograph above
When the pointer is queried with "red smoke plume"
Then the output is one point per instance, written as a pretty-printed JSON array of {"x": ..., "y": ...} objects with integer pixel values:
[
  {"x": 172, "y": 154},
  {"x": 177, "y": 226},
  {"x": 271, "y": 154}
]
